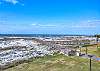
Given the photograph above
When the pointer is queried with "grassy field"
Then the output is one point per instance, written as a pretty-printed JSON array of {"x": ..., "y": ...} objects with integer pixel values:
[
  {"x": 92, "y": 50},
  {"x": 57, "y": 63}
]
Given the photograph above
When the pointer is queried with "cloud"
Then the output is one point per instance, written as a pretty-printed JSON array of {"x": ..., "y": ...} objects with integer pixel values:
[
  {"x": 12, "y": 1},
  {"x": 89, "y": 21},
  {"x": 34, "y": 24},
  {"x": 0, "y": 2},
  {"x": 47, "y": 25},
  {"x": 22, "y": 4},
  {"x": 84, "y": 26},
  {"x": 89, "y": 24},
  {"x": 43, "y": 25}
]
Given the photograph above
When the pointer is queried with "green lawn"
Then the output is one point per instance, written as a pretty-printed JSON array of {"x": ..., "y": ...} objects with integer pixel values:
[{"x": 57, "y": 63}]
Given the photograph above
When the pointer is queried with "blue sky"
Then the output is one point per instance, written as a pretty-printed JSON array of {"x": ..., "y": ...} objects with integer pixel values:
[{"x": 49, "y": 16}]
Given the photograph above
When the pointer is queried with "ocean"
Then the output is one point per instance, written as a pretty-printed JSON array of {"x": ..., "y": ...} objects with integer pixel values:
[{"x": 37, "y": 35}]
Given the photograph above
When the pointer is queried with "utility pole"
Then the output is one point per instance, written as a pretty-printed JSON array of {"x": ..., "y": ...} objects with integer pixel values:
[
  {"x": 90, "y": 56},
  {"x": 90, "y": 64},
  {"x": 86, "y": 49}
]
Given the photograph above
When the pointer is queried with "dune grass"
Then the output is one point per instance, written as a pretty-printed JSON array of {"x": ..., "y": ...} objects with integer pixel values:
[{"x": 57, "y": 62}]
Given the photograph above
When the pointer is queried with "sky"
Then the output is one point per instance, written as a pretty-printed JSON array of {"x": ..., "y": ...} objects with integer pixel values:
[{"x": 50, "y": 17}]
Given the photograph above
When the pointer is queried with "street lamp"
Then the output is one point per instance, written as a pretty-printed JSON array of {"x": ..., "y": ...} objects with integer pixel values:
[{"x": 90, "y": 56}]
